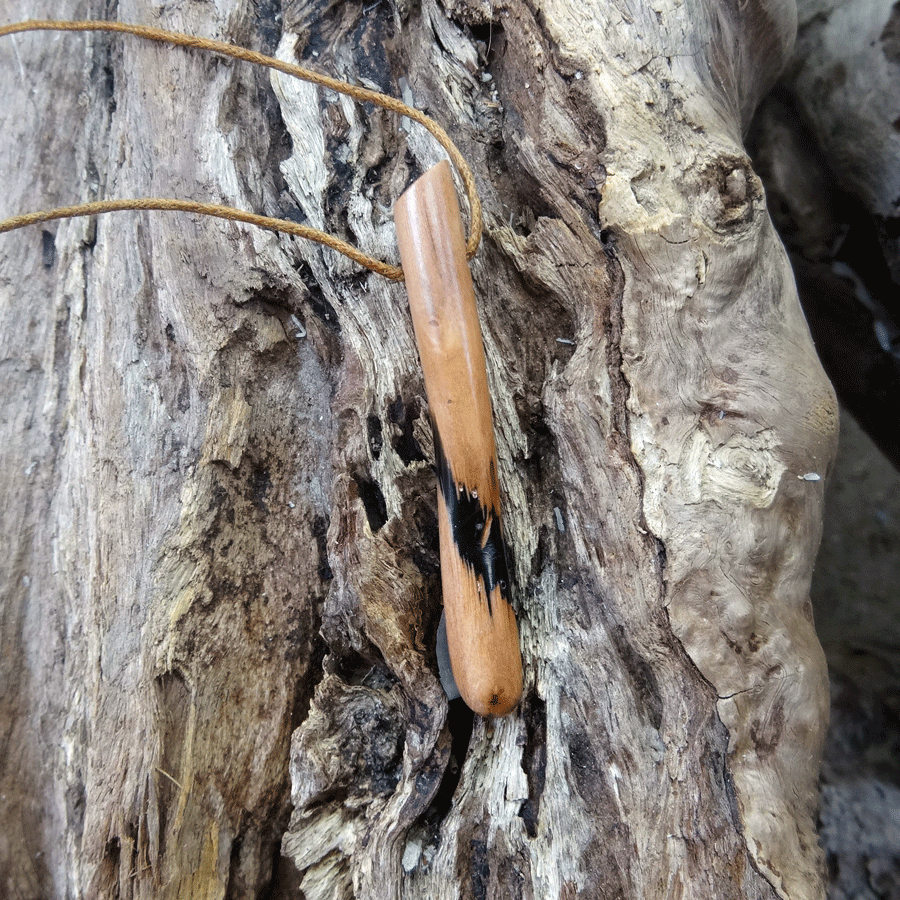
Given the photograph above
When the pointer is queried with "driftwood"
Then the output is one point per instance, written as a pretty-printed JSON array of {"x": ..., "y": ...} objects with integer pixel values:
[
  {"x": 220, "y": 593},
  {"x": 827, "y": 146},
  {"x": 843, "y": 77},
  {"x": 828, "y": 150}
]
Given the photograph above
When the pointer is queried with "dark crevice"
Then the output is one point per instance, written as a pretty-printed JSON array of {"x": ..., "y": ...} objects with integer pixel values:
[
  {"x": 489, "y": 39},
  {"x": 403, "y": 416},
  {"x": 259, "y": 483},
  {"x": 425, "y": 552},
  {"x": 335, "y": 796},
  {"x": 112, "y": 853},
  {"x": 286, "y": 880},
  {"x": 305, "y": 692},
  {"x": 534, "y": 760},
  {"x": 460, "y": 721},
  {"x": 411, "y": 163},
  {"x": 356, "y": 284},
  {"x": 353, "y": 668},
  {"x": 375, "y": 435},
  {"x": 890, "y": 36},
  {"x": 236, "y": 884},
  {"x": 584, "y": 766},
  {"x": 378, "y": 177},
  {"x": 661, "y": 554},
  {"x": 371, "y": 38},
  {"x": 541, "y": 476},
  {"x": 372, "y": 500},
  {"x": 316, "y": 300},
  {"x": 280, "y": 145},
  {"x": 340, "y": 187},
  {"x": 541, "y": 446},
  {"x": 320, "y": 533},
  {"x": 103, "y": 70},
  {"x": 619, "y": 386}
]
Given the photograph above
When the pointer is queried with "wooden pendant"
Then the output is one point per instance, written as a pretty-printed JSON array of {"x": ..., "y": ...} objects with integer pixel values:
[{"x": 481, "y": 625}]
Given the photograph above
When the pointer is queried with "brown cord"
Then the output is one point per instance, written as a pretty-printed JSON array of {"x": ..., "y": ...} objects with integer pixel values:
[
  {"x": 359, "y": 94},
  {"x": 395, "y": 273}
]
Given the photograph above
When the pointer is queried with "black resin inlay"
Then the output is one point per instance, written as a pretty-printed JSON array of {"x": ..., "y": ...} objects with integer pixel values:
[{"x": 468, "y": 519}]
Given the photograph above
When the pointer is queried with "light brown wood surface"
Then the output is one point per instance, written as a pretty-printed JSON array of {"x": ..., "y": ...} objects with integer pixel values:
[
  {"x": 481, "y": 625},
  {"x": 445, "y": 317}
]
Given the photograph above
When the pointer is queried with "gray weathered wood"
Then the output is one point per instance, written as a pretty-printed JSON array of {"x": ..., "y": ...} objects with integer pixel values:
[{"x": 221, "y": 592}]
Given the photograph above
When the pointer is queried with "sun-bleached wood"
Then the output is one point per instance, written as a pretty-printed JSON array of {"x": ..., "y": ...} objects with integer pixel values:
[
  {"x": 221, "y": 587},
  {"x": 481, "y": 625}
]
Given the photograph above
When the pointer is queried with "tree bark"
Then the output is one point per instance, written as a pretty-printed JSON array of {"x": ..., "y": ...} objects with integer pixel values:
[
  {"x": 827, "y": 146},
  {"x": 843, "y": 78},
  {"x": 221, "y": 592}
]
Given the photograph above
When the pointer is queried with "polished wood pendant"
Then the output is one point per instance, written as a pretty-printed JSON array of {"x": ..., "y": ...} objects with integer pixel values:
[{"x": 481, "y": 625}]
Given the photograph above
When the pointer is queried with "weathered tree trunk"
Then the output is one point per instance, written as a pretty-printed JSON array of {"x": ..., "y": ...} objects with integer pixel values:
[
  {"x": 827, "y": 146},
  {"x": 843, "y": 79},
  {"x": 220, "y": 593}
]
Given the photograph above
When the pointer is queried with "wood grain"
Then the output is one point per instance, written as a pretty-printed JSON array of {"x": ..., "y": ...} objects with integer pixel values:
[
  {"x": 481, "y": 625},
  {"x": 194, "y": 579}
]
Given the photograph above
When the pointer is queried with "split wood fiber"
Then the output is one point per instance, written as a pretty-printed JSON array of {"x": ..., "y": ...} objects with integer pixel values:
[
  {"x": 355, "y": 92},
  {"x": 481, "y": 625}
]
